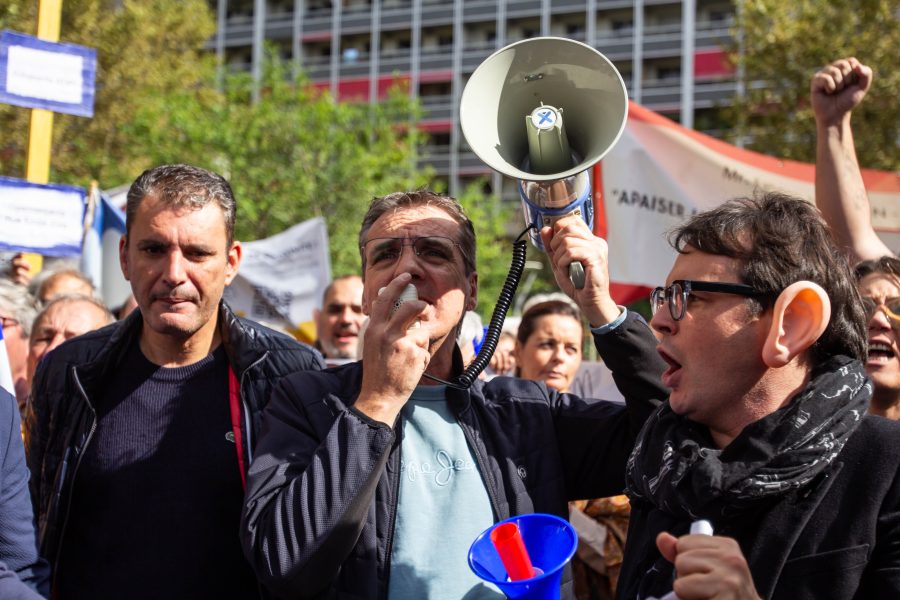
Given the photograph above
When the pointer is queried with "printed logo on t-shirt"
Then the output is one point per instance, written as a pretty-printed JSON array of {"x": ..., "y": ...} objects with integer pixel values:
[{"x": 441, "y": 470}]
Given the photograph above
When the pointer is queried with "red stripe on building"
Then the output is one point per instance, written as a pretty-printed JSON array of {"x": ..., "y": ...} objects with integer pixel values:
[{"x": 711, "y": 64}]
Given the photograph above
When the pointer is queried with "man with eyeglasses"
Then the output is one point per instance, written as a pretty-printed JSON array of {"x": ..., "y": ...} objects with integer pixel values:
[
  {"x": 765, "y": 432},
  {"x": 17, "y": 312},
  {"x": 371, "y": 480},
  {"x": 879, "y": 283},
  {"x": 836, "y": 90}
]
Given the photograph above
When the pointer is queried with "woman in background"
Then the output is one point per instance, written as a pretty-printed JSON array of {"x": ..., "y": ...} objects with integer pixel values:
[
  {"x": 548, "y": 344},
  {"x": 548, "y": 349}
]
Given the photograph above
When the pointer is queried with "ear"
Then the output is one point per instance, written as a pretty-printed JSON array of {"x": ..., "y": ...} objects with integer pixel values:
[
  {"x": 365, "y": 305},
  {"x": 800, "y": 315},
  {"x": 516, "y": 351},
  {"x": 234, "y": 262},
  {"x": 123, "y": 257},
  {"x": 472, "y": 298}
]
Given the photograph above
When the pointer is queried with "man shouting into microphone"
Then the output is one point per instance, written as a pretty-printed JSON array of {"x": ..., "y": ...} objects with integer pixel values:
[{"x": 372, "y": 479}]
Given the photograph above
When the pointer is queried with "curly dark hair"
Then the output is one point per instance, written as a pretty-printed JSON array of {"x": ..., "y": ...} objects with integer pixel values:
[
  {"x": 780, "y": 239},
  {"x": 886, "y": 265}
]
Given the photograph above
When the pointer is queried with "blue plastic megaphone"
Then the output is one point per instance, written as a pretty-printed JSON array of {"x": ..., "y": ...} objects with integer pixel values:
[{"x": 550, "y": 542}]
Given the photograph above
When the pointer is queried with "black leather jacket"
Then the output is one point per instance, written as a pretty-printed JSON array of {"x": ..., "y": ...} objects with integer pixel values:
[
  {"x": 322, "y": 492},
  {"x": 61, "y": 417}
]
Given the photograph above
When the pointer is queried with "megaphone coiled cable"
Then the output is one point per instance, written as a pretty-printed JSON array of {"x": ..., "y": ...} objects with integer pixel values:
[{"x": 495, "y": 327}]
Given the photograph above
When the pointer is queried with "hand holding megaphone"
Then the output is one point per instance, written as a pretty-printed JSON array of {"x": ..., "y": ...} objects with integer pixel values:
[
  {"x": 567, "y": 241},
  {"x": 543, "y": 111}
]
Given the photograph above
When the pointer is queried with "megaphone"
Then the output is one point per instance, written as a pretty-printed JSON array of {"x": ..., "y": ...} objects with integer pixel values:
[
  {"x": 549, "y": 542},
  {"x": 544, "y": 111}
]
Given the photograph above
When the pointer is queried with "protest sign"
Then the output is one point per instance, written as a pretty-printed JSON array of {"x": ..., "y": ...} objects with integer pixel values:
[{"x": 46, "y": 219}]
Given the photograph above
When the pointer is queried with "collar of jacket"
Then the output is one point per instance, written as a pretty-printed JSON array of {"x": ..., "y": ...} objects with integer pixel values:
[
  {"x": 457, "y": 400},
  {"x": 242, "y": 346}
]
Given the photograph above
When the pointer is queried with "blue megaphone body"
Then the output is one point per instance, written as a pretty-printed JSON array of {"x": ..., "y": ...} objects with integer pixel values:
[{"x": 550, "y": 542}]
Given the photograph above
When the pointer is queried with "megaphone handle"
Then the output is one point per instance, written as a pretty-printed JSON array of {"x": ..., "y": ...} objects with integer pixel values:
[{"x": 576, "y": 275}]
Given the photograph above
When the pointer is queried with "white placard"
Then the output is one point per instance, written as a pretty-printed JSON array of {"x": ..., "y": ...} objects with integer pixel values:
[
  {"x": 44, "y": 219},
  {"x": 281, "y": 278},
  {"x": 47, "y": 75}
]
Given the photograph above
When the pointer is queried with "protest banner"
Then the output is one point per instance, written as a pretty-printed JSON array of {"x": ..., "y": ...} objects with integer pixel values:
[
  {"x": 43, "y": 218},
  {"x": 281, "y": 278},
  {"x": 660, "y": 173}
]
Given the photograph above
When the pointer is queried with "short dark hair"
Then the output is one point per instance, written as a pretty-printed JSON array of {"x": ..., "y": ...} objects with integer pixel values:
[
  {"x": 330, "y": 286},
  {"x": 778, "y": 240},
  {"x": 182, "y": 186},
  {"x": 403, "y": 200},
  {"x": 885, "y": 265},
  {"x": 542, "y": 309}
]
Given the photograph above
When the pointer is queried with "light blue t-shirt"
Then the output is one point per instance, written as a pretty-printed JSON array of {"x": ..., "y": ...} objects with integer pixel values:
[{"x": 442, "y": 508}]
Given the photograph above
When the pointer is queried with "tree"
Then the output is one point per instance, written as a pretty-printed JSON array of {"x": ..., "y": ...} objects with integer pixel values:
[
  {"x": 785, "y": 43},
  {"x": 491, "y": 219},
  {"x": 292, "y": 155},
  {"x": 144, "y": 50}
]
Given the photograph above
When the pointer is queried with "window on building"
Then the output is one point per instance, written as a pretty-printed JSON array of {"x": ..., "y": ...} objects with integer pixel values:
[{"x": 574, "y": 29}]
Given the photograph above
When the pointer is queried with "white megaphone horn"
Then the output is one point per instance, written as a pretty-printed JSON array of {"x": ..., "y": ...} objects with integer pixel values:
[{"x": 543, "y": 111}]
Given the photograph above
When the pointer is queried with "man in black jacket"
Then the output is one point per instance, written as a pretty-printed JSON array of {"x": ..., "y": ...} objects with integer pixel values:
[
  {"x": 140, "y": 433},
  {"x": 371, "y": 480},
  {"x": 765, "y": 433}
]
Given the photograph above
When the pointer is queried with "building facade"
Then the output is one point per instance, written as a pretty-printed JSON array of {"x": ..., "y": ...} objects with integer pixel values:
[{"x": 670, "y": 53}]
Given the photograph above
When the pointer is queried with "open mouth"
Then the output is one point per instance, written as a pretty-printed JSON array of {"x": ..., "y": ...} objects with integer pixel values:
[
  {"x": 880, "y": 352},
  {"x": 669, "y": 376}
]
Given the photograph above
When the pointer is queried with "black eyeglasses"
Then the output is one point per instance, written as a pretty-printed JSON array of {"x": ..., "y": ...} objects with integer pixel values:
[
  {"x": 676, "y": 295},
  {"x": 384, "y": 252},
  {"x": 8, "y": 322},
  {"x": 890, "y": 306}
]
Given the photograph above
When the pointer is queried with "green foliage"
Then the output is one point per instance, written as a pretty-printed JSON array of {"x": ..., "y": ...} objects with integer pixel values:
[
  {"x": 785, "y": 43},
  {"x": 144, "y": 50},
  {"x": 490, "y": 217},
  {"x": 292, "y": 155}
]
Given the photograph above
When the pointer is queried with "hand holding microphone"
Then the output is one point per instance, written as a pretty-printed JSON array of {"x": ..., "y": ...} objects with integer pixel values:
[
  {"x": 395, "y": 350},
  {"x": 707, "y": 566}
]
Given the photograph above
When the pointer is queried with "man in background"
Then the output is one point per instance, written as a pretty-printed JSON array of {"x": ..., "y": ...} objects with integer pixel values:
[
  {"x": 17, "y": 313},
  {"x": 139, "y": 434},
  {"x": 338, "y": 322},
  {"x": 63, "y": 318}
]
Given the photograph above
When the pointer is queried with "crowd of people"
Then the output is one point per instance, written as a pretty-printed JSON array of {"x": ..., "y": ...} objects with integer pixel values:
[{"x": 175, "y": 450}]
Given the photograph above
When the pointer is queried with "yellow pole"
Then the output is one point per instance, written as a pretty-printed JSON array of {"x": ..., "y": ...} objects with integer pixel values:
[{"x": 41, "y": 134}]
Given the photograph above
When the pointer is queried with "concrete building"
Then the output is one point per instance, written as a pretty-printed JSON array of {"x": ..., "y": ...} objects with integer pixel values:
[{"x": 668, "y": 52}]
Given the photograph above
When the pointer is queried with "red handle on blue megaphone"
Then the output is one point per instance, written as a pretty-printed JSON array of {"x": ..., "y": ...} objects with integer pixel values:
[
  {"x": 548, "y": 544},
  {"x": 507, "y": 540}
]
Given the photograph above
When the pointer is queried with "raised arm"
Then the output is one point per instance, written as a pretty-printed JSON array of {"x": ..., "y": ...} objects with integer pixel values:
[{"x": 835, "y": 91}]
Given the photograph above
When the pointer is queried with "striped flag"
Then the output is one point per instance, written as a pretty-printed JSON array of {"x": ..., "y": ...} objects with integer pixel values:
[{"x": 104, "y": 226}]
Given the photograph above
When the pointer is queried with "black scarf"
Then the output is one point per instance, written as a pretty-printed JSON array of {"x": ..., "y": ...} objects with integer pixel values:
[{"x": 676, "y": 468}]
